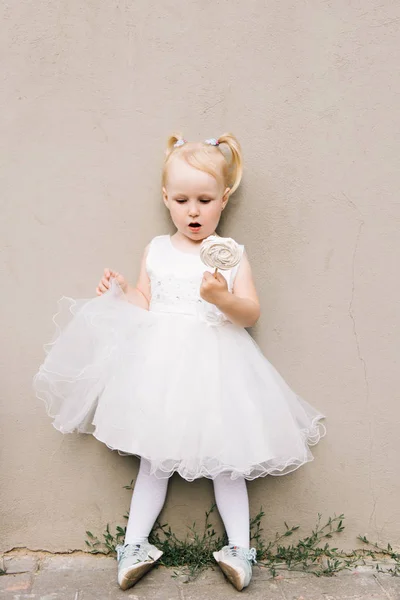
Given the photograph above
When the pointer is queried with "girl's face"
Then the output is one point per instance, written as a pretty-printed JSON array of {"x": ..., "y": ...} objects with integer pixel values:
[{"x": 194, "y": 198}]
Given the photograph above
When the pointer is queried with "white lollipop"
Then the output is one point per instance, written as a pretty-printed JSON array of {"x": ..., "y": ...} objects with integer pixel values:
[{"x": 220, "y": 253}]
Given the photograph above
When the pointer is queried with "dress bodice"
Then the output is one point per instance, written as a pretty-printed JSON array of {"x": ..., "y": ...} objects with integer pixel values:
[{"x": 175, "y": 278}]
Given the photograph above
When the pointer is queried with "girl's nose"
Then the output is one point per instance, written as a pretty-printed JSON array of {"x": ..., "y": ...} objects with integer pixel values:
[{"x": 193, "y": 209}]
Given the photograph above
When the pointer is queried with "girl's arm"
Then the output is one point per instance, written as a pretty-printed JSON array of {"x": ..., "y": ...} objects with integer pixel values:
[
  {"x": 140, "y": 294},
  {"x": 242, "y": 306}
]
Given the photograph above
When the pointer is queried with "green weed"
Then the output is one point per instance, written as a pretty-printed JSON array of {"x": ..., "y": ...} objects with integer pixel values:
[{"x": 313, "y": 553}]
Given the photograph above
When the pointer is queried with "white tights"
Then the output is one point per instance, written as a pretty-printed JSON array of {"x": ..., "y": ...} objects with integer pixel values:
[{"x": 149, "y": 496}]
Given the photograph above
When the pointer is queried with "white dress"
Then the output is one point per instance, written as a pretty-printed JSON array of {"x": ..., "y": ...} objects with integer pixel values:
[{"x": 179, "y": 384}]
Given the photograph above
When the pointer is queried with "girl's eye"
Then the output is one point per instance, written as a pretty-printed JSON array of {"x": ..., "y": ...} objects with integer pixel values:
[{"x": 202, "y": 200}]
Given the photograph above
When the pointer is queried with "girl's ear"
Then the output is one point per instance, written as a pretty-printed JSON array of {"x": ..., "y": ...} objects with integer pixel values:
[
  {"x": 225, "y": 197},
  {"x": 165, "y": 197}
]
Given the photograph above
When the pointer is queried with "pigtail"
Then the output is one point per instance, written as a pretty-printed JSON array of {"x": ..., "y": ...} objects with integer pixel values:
[
  {"x": 172, "y": 140},
  {"x": 236, "y": 159}
]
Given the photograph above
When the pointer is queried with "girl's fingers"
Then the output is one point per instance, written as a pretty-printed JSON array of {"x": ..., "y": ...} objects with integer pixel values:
[
  {"x": 108, "y": 273},
  {"x": 105, "y": 283}
]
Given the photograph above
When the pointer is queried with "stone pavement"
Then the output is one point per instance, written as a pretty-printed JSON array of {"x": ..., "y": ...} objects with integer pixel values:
[{"x": 81, "y": 576}]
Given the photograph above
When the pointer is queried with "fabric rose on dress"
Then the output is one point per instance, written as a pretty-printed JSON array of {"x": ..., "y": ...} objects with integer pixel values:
[{"x": 208, "y": 313}]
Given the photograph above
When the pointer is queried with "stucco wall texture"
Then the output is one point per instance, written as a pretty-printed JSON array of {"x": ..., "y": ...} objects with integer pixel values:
[{"x": 90, "y": 92}]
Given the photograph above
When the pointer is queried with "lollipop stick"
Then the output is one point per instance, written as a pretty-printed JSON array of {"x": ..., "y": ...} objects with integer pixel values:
[{"x": 215, "y": 272}]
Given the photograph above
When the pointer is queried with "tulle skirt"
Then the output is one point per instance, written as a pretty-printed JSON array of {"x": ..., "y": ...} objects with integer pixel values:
[{"x": 189, "y": 397}]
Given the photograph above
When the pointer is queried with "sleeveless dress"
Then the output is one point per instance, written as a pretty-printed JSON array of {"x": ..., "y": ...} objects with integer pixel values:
[{"x": 178, "y": 384}]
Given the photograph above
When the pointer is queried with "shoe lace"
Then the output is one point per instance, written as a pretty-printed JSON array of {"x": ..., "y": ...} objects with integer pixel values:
[
  {"x": 249, "y": 555},
  {"x": 129, "y": 550}
]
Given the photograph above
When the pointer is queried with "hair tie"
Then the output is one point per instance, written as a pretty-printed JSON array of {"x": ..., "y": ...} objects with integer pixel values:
[{"x": 212, "y": 142}]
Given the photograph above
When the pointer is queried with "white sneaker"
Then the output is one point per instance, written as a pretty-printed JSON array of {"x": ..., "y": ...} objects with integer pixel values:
[
  {"x": 236, "y": 563},
  {"x": 134, "y": 560}
]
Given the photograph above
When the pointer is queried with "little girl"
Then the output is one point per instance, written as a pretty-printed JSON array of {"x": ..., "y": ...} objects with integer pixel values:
[{"x": 166, "y": 370}]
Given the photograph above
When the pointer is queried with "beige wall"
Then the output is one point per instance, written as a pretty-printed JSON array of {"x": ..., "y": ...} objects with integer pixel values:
[{"x": 90, "y": 91}]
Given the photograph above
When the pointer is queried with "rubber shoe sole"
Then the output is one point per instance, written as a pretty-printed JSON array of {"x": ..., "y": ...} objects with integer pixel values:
[
  {"x": 131, "y": 575},
  {"x": 235, "y": 576}
]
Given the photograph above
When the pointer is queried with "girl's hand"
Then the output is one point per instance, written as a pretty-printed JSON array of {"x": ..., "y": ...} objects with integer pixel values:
[
  {"x": 213, "y": 287},
  {"x": 104, "y": 283}
]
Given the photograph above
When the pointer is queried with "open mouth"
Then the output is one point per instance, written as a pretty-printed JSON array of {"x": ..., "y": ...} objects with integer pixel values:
[{"x": 194, "y": 225}]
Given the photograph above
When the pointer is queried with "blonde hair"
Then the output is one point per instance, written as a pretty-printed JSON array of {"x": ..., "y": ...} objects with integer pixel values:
[{"x": 208, "y": 158}]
